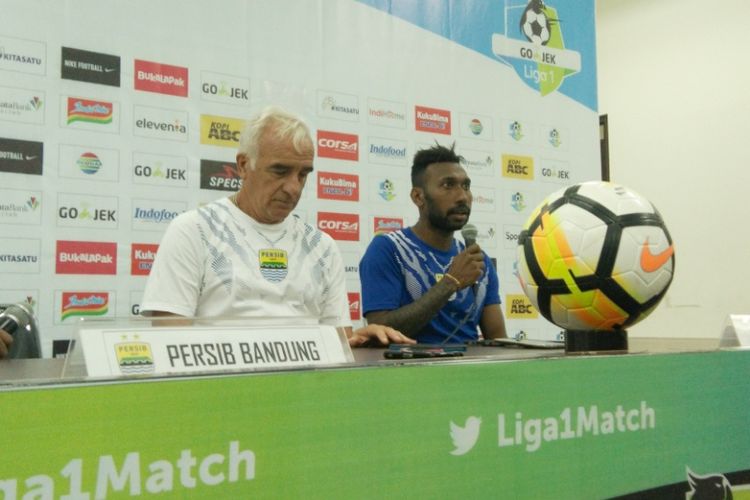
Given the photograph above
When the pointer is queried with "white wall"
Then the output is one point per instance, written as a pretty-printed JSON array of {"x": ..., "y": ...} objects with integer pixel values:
[{"x": 673, "y": 80}]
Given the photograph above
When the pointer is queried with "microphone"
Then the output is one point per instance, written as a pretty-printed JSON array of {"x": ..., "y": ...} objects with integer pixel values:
[
  {"x": 469, "y": 233},
  {"x": 18, "y": 320}
]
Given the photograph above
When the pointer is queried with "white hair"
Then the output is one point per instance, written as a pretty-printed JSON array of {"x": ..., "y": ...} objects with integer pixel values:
[{"x": 283, "y": 124}]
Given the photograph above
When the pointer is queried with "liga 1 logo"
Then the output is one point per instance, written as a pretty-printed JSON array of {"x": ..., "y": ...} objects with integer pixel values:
[
  {"x": 274, "y": 264},
  {"x": 533, "y": 45}
]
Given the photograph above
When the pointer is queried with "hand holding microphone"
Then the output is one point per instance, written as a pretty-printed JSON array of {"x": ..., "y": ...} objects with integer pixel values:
[{"x": 468, "y": 266}]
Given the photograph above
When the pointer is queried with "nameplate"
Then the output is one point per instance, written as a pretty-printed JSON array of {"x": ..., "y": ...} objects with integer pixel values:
[
  {"x": 188, "y": 349},
  {"x": 736, "y": 331}
]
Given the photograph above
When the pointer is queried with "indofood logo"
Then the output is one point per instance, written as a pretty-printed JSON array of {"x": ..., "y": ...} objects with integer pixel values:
[
  {"x": 387, "y": 151},
  {"x": 89, "y": 163},
  {"x": 533, "y": 45}
]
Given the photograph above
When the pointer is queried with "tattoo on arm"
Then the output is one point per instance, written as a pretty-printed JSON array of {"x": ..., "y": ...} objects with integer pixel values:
[{"x": 411, "y": 318}]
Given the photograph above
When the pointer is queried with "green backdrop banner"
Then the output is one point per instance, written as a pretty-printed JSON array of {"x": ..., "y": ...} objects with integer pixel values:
[{"x": 551, "y": 428}]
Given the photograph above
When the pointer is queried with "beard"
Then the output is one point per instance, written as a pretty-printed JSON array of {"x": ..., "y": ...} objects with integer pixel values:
[{"x": 441, "y": 221}]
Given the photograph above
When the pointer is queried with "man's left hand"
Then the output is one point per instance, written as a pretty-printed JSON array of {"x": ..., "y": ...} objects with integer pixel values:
[{"x": 378, "y": 334}]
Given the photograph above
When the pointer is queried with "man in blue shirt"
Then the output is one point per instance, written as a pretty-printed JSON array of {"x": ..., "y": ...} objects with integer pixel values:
[{"x": 421, "y": 280}]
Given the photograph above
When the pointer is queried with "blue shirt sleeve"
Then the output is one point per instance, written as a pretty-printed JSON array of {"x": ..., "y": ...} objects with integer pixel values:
[
  {"x": 493, "y": 285},
  {"x": 381, "y": 276}
]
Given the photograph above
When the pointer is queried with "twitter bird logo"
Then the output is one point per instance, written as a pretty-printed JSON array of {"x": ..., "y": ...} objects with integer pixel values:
[{"x": 464, "y": 438}]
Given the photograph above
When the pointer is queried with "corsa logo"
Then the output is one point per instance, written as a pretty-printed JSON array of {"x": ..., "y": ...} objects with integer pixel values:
[
  {"x": 142, "y": 257},
  {"x": 354, "y": 306},
  {"x": 338, "y": 146},
  {"x": 342, "y": 227}
]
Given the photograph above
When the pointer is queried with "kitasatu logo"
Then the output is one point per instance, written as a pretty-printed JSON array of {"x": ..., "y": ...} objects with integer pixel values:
[
  {"x": 333, "y": 186},
  {"x": 338, "y": 145},
  {"x": 89, "y": 111},
  {"x": 433, "y": 120},
  {"x": 161, "y": 78},
  {"x": 84, "y": 304},
  {"x": 86, "y": 257},
  {"x": 342, "y": 227}
]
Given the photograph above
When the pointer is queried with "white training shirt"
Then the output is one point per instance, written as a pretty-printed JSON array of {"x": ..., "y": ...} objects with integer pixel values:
[{"x": 217, "y": 261}]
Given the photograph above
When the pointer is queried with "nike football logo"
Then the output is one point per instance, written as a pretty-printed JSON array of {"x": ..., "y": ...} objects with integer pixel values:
[{"x": 651, "y": 262}]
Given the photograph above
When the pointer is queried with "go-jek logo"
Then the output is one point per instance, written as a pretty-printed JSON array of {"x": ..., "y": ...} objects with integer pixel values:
[
  {"x": 533, "y": 45},
  {"x": 464, "y": 438}
]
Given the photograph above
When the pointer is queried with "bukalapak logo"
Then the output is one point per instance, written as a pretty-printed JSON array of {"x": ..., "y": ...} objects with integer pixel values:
[
  {"x": 437, "y": 121},
  {"x": 220, "y": 175},
  {"x": 85, "y": 257},
  {"x": 161, "y": 78},
  {"x": 91, "y": 67},
  {"x": 338, "y": 145},
  {"x": 21, "y": 157},
  {"x": 342, "y": 227}
]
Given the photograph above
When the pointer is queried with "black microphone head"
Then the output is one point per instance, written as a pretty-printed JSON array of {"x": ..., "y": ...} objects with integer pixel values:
[
  {"x": 18, "y": 320},
  {"x": 469, "y": 233}
]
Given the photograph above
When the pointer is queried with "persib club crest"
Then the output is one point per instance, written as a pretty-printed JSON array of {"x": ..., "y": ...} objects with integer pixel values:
[
  {"x": 134, "y": 358},
  {"x": 274, "y": 264}
]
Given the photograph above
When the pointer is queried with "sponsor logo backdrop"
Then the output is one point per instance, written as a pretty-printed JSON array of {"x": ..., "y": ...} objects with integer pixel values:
[{"x": 106, "y": 137}]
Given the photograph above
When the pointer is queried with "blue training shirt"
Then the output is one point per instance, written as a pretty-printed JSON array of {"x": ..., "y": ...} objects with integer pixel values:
[{"x": 398, "y": 268}]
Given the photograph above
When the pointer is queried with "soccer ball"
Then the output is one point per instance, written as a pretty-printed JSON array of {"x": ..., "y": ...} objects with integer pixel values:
[
  {"x": 595, "y": 256},
  {"x": 535, "y": 26}
]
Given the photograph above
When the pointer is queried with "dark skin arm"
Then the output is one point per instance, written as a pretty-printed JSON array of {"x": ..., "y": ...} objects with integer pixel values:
[
  {"x": 467, "y": 267},
  {"x": 492, "y": 323},
  {"x": 5, "y": 341}
]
